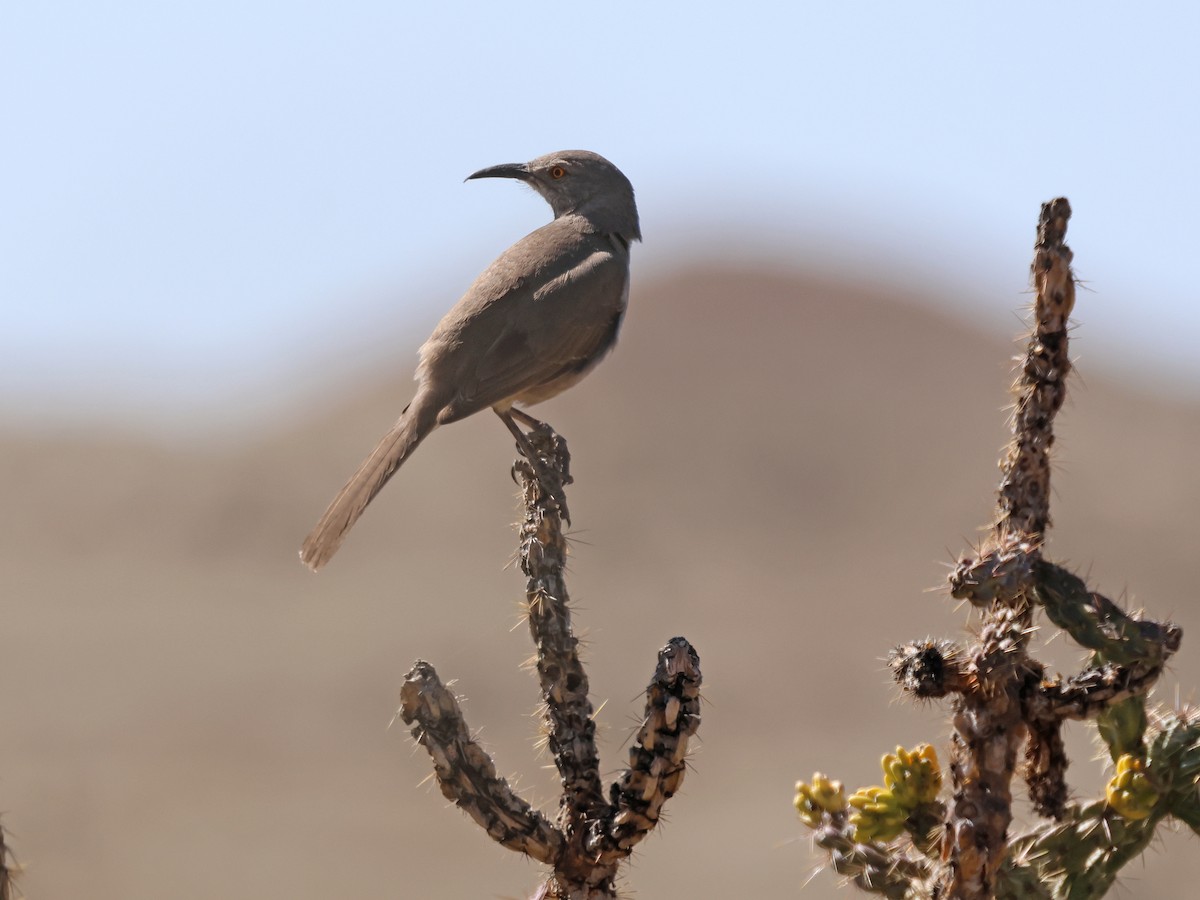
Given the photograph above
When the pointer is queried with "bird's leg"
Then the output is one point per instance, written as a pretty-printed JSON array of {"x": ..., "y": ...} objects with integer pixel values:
[
  {"x": 550, "y": 480},
  {"x": 523, "y": 444},
  {"x": 521, "y": 416},
  {"x": 536, "y": 425}
]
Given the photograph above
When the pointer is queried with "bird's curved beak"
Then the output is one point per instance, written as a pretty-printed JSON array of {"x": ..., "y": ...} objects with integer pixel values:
[{"x": 519, "y": 171}]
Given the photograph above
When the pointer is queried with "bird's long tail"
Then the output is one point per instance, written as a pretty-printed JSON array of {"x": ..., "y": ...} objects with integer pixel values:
[{"x": 418, "y": 419}]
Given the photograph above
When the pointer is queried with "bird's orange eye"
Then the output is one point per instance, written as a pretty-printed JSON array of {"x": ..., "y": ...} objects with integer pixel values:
[{"x": 557, "y": 172}]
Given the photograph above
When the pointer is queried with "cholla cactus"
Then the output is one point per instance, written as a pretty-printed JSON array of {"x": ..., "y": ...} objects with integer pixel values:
[
  {"x": 900, "y": 840},
  {"x": 597, "y": 825}
]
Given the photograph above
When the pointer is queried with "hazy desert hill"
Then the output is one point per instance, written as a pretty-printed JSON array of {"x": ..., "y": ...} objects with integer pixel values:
[{"x": 772, "y": 464}]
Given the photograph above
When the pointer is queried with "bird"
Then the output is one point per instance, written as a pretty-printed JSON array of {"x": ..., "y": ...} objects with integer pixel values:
[{"x": 533, "y": 324}]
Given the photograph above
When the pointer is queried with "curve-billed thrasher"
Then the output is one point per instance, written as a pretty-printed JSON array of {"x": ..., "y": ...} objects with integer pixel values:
[{"x": 533, "y": 324}]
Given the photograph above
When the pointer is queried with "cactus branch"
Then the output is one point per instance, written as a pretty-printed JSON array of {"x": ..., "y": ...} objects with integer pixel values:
[
  {"x": 591, "y": 834},
  {"x": 466, "y": 774},
  {"x": 1003, "y": 705},
  {"x": 1040, "y": 388},
  {"x": 564, "y": 683},
  {"x": 990, "y": 722},
  {"x": 873, "y": 867},
  {"x": 657, "y": 757},
  {"x": 1095, "y": 622}
]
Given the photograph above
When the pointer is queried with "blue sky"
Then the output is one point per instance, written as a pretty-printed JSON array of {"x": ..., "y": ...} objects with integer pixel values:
[{"x": 208, "y": 202}]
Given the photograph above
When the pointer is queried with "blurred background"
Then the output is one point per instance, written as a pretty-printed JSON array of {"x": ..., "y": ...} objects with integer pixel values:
[{"x": 226, "y": 228}]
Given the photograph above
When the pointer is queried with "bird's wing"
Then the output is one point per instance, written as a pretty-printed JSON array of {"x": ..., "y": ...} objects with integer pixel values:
[{"x": 543, "y": 326}]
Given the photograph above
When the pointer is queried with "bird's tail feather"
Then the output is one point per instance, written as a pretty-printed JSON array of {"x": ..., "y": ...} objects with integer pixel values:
[{"x": 418, "y": 419}]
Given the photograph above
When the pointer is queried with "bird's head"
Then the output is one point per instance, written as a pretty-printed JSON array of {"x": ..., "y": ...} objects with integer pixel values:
[{"x": 578, "y": 182}]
